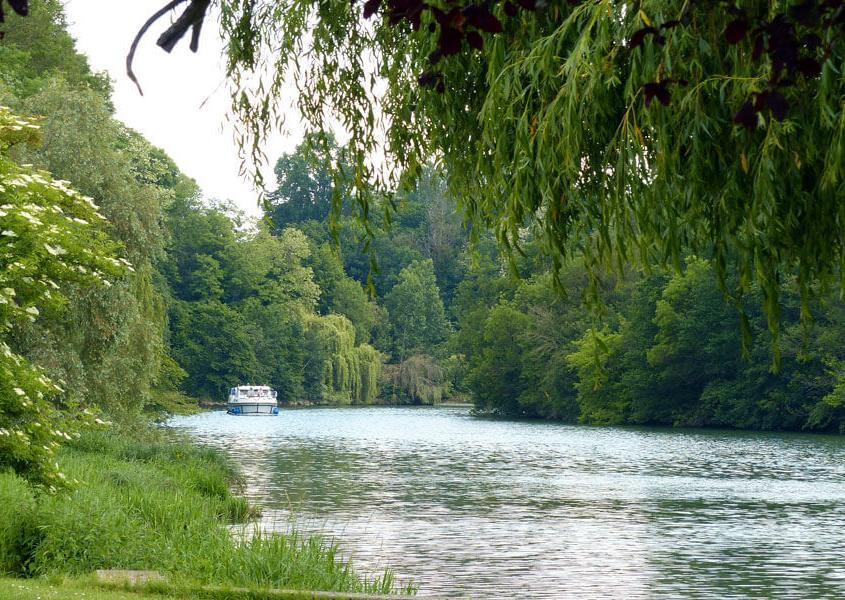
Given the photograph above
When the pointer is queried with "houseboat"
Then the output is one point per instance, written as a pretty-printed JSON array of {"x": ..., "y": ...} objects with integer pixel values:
[{"x": 252, "y": 400}]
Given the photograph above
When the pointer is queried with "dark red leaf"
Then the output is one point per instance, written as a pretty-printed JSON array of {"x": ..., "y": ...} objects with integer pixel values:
[
  {"x": 441, "y": 87},
  {"x": 475, "y": 40},
  {"x": 809, "y": 67},
  {"x": 639, "y": 37},
  {"x": 457, "y": 19},
  {"x": 670, "y": 24},
  {"x": 736, "y": 30},
  {"x": 664, "y": 96},
  {"x": 759, "y": 46},
  {"x": 511, "y": 9},
  {"x": 426, "y": 79},
  {"x": 481, "y": 18},
  {"x": 527, "y": 4},
  {"x": 450, "y": 41},
  {"x": 778, "y": 105},
  {"x": 659, "y": 90},
  {"x": 746, "y": 116},
  {"x": 811, "y": 40},
  {"x": 20, "y": 6},
  {"x": 415, "y": 19},
  {"x": 371, "y": 7},
  {"x": 435, "y": 56},
  {"x": 805, "y": 13}
]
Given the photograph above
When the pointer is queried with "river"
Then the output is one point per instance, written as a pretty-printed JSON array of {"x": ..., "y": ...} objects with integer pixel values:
[{"x": 503, "y": 509}]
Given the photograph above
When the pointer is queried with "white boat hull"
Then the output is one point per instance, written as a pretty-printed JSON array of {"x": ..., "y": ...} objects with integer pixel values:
[{"x": 252, "y": 409}]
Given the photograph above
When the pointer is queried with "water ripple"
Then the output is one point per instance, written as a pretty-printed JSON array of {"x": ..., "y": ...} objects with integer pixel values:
[{"x": 494, "y": 509}]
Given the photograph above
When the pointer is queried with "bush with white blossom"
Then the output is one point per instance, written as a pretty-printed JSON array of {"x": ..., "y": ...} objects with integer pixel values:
[{"x": 50, "y": 236}]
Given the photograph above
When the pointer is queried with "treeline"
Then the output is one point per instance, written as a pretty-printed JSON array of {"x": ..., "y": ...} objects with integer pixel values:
[
  {"x": 664, "y": 348},
  {"x": 667, "y": 351},
  {"x": 215, "y": 299},
  {"x": 243, "y": 308},
  {"x": 107, "y": 344},
  {"x": 211, "y": 301}
]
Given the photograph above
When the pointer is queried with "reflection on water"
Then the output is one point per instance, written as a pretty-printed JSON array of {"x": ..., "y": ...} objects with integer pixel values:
[{"x": 494, "y": 509}]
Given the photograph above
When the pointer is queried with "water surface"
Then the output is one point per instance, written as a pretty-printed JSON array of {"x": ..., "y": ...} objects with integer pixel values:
[{"x": 496, "y": 509}]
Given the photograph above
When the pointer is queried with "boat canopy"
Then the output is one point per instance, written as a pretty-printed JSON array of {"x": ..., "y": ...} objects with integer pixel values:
[{"x": 252, "y": 391}]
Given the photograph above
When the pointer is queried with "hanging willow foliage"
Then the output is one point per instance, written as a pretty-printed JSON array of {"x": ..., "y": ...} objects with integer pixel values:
[
  {"x": 625, "y": 131},
  {"x": 348, "y": 373}
]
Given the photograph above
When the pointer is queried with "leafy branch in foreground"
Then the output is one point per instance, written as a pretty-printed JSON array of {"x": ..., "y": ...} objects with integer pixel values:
[
  {"x": 551, "y": 123},
  {"x": 49, "y": 238}
]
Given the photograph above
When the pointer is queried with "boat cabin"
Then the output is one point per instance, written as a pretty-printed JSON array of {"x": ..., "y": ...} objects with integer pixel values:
[{"x": 252, "y": 400}]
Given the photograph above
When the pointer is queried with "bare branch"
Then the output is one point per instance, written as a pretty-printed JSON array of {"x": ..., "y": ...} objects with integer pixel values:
[
  {"x": 141, "y": 32},
  {"x": 191, "y": 18}
]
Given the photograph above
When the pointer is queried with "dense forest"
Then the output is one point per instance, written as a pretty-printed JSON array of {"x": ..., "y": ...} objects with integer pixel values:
[{"x": 177, "y": 297}]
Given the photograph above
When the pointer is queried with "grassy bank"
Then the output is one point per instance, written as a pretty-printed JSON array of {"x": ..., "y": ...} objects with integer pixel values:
[
  {"x": 38, "y": 589},
  {"x": 156, "y": 501}
]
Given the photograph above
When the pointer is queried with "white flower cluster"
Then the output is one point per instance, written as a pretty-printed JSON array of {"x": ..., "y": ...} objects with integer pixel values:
[{"x": 47, "y": 237}]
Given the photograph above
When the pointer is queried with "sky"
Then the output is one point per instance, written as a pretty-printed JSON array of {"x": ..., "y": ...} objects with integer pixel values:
[{"x": 183, "y": 109}]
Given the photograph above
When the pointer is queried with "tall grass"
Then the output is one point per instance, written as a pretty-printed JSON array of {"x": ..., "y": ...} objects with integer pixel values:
[
  {"x": 159, "y": 502},
  {"x": 17, "y": 523}
]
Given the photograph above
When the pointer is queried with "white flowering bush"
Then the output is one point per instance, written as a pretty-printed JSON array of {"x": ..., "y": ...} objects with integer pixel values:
[{"x": 50, "y": 236}]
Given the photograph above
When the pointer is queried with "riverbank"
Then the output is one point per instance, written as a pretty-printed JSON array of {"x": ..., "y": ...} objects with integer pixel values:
[
  {"x": 200, "y": 405},
  {"x": 154, "y": 500}
]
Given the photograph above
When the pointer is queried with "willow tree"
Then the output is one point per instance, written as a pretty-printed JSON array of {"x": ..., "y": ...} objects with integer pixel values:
[
  {"x": 338, "y": 371},
  {"x": 624, "y": 130}
]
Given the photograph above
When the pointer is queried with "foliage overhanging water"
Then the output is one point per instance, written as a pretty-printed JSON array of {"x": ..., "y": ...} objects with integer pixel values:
[{"x": 492, "y": 508}]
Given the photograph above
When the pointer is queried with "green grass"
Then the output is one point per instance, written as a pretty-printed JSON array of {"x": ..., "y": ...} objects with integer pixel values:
[
  {"x": 56, "y": 588},
  {"x": 156, "y": 501},
  {"x": 39, "y": 589}
]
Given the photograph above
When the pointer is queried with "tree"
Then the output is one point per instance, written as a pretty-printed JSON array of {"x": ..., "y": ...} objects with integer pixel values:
[
  {"x": 337, "y": 370},
  {"x": 495, "y": 377},
  {"x": 212, "y": 342},
  {"x": 586, "y": 118},
  {"x": 37, "y": 48},
  {"x": 305, "y": 188},
  {"x": 697, "y": 337},
  {"x": 418, "y": 380},
  {"x": 51, "y": 237},
  {"x": 110, "y": 342},
  {"x": 417, "y": 317}
]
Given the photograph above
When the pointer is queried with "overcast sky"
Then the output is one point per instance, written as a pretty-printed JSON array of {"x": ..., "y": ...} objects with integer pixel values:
[{"x": 171, "y": 114}]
